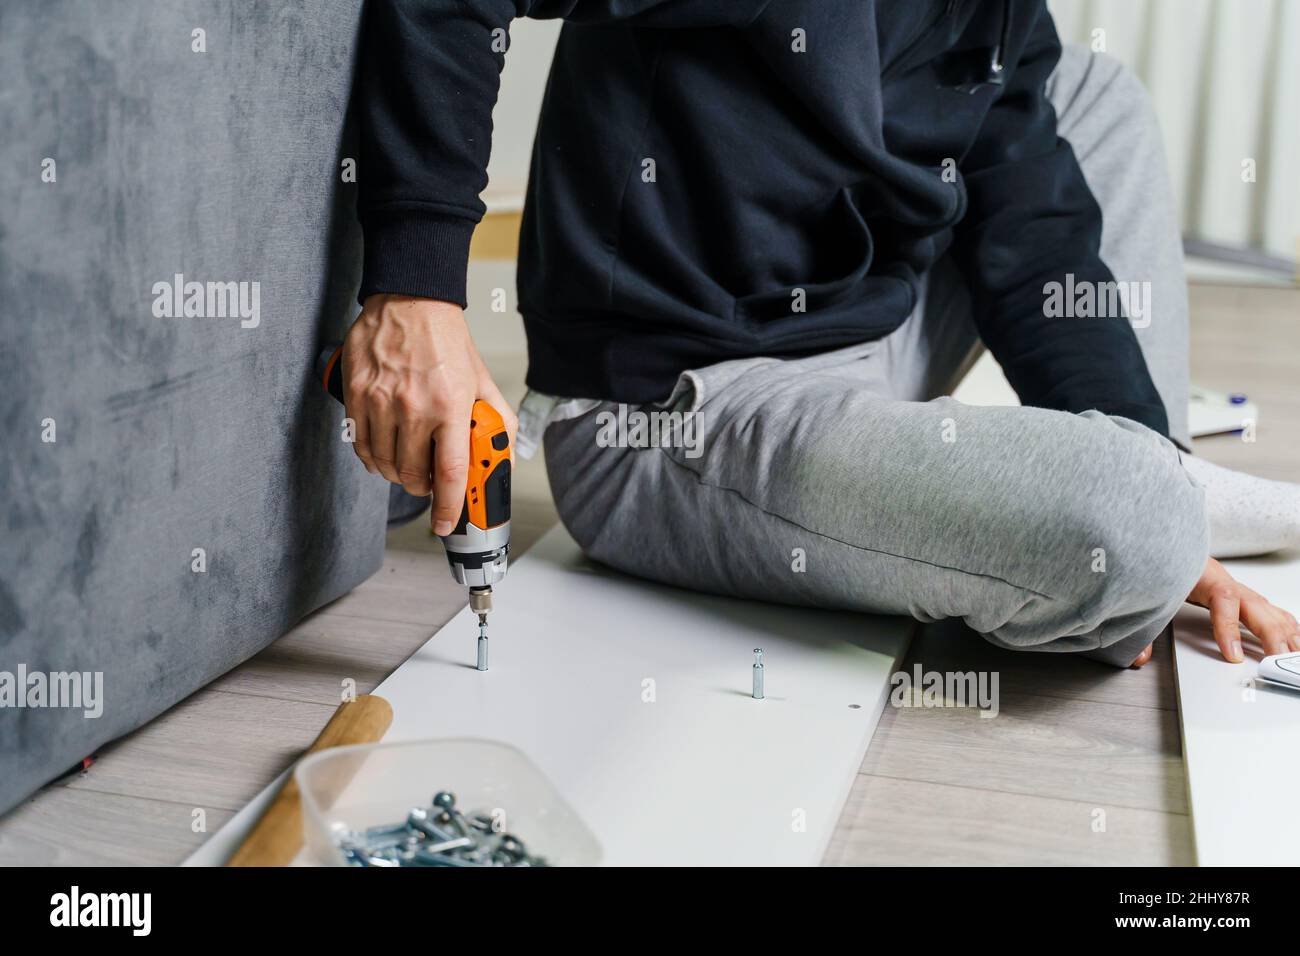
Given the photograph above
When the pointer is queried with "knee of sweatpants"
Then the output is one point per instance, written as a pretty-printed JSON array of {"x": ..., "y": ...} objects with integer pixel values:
[
  {"x": 569, "y": 452},
  {"x": 592, "y": 486},
  {"x": 1131, "y": 546}
]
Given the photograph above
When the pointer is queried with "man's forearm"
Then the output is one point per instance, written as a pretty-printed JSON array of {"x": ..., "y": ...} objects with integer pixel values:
[{"x": 429, "y": 75}]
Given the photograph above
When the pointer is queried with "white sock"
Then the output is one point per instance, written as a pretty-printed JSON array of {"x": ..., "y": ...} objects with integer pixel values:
[{"x": 1248, "y": 515}]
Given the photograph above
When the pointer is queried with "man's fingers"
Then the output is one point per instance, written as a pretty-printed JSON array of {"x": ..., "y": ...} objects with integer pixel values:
[
  {"x": 1224, "y": 610},
  {"x": 450, "y": 466},
  {"x": 354, "y": 407},
  {"x": 1231, "y": 602},
  {"x": 361, "y": 435},
  {"x": 1144, "y": 657},
  {"x": 1268, "y": 623},
  {"x": 383, "y": 441},
  {"x": 1293, "y": 631},
  {"x": 415, "y": 457}
]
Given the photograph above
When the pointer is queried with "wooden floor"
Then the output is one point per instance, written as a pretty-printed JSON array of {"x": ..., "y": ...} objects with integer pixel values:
[{"x": 1082, "y": 765}]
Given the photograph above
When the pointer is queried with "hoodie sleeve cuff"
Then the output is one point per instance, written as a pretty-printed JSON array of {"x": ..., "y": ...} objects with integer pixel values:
[{"x": 414, "y": 253}]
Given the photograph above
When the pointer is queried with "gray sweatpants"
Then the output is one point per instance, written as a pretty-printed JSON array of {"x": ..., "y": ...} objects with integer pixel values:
[{"x": 846, "y": 480}]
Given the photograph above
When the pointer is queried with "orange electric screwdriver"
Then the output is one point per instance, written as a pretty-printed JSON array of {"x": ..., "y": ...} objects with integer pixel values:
[{"x": 478, "y": 547}]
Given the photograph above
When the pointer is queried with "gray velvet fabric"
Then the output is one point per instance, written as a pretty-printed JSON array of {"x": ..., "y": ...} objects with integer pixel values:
[{"x": 171, "y": 433}]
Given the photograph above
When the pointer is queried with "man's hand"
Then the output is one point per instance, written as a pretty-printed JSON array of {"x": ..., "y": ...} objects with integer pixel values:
[
  {"x": 412, "y": 375},
  {"x": 1232, "y": 604}
]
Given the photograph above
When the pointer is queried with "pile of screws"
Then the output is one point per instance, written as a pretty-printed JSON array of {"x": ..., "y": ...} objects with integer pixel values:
[{"x": 439, "y": 835}]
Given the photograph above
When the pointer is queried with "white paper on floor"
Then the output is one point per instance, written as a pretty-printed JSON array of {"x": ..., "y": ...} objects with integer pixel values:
[
  {"x": 1241, "y": 736},
  {"x": 704, "y": 774}
]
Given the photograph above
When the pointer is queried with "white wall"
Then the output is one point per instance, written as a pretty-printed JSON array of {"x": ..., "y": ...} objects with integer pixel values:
[{"x": 514, "y": 121}]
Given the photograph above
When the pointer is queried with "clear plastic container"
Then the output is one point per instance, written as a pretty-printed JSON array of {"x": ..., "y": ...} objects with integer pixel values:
[{"x": 370, "y": 785}]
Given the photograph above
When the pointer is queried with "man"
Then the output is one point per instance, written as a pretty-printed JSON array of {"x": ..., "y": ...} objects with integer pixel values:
[{"x": 797, "y": 219}]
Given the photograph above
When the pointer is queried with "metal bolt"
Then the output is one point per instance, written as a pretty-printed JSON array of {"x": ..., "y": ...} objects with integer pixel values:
[
  {"x": 425, "y": 858},
  {"x": 758, "y": 673},
  {"x": 512, "y": 848},
  {"x": 398, "y": 841},
  {"x": 446, "y": 845},
  {"x": 381, "y": 858},
  {"x": 456, "y": 821},
  {"x": 446, "y": 802},
  {"x": 419, "y": 819},
  {"x": 386, "y": 832},
  {"x": 438, "y": 835}
]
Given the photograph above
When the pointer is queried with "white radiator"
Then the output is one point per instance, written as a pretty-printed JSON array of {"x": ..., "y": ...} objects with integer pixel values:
[{"x": 1225, "y": 79}]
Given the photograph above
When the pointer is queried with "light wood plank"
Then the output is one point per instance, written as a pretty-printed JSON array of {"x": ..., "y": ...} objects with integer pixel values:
[
  {"x": 496, "y": 236},
  {"x": 1039, "y": 746},
  {"x": 889, "y": 822},
  {"x": 214, "y": 750},
  {"x": 312, "y": 661},
  {"x": 412, "y": 587},
  {"x": 69, "y": 827},
  {"x": 1246, "y": 339},
  {"x": 951, "y": 646}
]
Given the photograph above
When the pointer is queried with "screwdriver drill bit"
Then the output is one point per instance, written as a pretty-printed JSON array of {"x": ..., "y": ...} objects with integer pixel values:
[{"x": 480, "y": 602}]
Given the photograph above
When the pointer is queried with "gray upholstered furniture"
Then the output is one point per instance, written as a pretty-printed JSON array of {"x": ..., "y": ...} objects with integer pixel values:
[{"x": 172, "y": 434}]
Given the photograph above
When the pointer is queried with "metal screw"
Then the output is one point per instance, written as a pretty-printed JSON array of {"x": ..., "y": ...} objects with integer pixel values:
[
  {"x": 446, "y": 845},
  {"x": 758, "y": 673},
  {"x": 457, "y": 822},
  {"x": 419, "y": 819},
  {"x": 438, "y": 835},
  {"x": 386, "y": 832},
  {"x": 446, "y": 802},
  {"x": 425, "y": 858},
  {"x": 398, "y": 841},
  {"x": 511, "y": 847},
  {"x": 387, "y": 857}
]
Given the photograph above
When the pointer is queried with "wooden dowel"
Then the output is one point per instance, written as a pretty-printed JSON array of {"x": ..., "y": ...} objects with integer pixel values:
[{"x": 277, "y": 837}]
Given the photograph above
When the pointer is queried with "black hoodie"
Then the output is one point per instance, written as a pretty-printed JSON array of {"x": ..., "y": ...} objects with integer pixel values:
[{"x": 718, "y": 179}]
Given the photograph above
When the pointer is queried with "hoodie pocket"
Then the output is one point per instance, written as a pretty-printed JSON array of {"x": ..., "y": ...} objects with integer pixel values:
[{"x": 846, "y": 233}]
